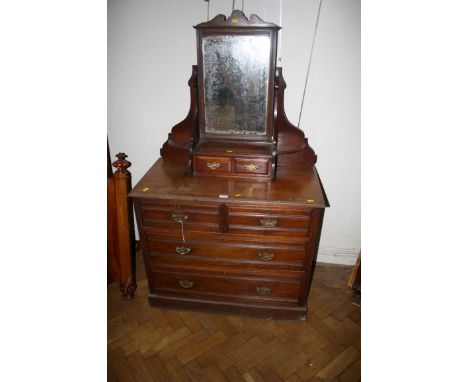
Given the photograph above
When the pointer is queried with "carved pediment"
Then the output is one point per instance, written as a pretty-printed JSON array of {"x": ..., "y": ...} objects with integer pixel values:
[{"x": 237, "y": 19}]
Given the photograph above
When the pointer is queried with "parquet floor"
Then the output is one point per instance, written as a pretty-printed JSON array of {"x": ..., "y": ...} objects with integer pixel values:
[{"x": 149, "y": 344}]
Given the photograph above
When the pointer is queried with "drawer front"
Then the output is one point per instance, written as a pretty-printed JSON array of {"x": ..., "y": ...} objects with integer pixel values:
[
  {"x": 193, "y": 217},
  {"x": 268, "y": 222},
  {"x": 195, "y": 253},
  {"x": 252, "y": 166},
  {"x": 214, "y": 285},
  {"x": 214, "y": 165}
]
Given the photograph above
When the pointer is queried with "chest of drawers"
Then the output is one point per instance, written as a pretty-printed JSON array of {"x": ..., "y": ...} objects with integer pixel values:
[{"x": 233, "y": 245}]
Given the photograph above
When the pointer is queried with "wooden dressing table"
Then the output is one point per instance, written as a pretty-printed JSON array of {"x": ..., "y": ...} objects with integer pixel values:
[{"x": 230, "y": 217}]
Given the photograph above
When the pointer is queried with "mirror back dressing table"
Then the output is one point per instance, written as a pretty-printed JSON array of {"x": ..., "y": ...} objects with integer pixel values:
[{"x": 230, "y": 216}]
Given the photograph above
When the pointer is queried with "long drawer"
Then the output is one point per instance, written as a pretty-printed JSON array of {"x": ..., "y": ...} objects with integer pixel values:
[
  {"x": 204, "y": 285},
  {"x": 264, "y": 255}
]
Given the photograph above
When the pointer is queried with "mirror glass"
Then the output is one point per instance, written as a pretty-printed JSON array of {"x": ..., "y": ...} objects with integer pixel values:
[{"x": 236, "y": 74}]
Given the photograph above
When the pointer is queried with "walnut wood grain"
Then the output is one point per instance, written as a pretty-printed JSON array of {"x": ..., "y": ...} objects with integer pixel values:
[
  {"x": 205, "y": 285},
  {"x": 205, "y": 252}
]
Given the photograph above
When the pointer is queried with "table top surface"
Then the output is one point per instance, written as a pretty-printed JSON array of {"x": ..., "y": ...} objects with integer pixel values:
[{"x": 172, "y": 181}]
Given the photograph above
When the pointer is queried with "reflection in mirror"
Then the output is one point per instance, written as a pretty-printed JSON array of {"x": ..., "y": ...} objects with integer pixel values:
[{"x": 236, "y": 73}]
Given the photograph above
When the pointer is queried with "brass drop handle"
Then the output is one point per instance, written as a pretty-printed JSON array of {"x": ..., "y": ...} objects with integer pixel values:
[
  {"x": 179, "y": 217},
  {"x": 186, "y": 284},
  {"x": 269, "y": 222},
  {"x": 263, "y": 290},
  {"x": 251, "y": 167},
  {"x": 266, "y": 256},
  {"x": 183, "y": 250},
  {"x": 213, "y": 165}
]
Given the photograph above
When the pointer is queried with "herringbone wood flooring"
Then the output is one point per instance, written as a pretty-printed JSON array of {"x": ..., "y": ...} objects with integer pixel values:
[{"x": 149, "y": 344}]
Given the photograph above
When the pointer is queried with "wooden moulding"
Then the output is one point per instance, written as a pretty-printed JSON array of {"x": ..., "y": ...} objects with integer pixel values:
[
  {"x": 237, "y": 25},
  {"x": 184, "y": 135},
  {"x": 237, "y": 19},
  {"x": 292, "y": 146},
  {"x": 256, "y": 310},
  {"x": 125, "y": 241}
]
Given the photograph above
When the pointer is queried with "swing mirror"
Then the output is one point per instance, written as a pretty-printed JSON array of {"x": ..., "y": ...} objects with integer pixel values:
[
  {"x": 236, "y": 61},
  {"x": 236, "y": 74}
]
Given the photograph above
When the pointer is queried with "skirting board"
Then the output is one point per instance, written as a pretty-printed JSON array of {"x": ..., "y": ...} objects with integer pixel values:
[{"x": 342, "y": 256}]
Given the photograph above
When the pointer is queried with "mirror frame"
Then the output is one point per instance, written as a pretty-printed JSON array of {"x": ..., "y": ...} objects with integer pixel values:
[{"x": 237, "y": 25}]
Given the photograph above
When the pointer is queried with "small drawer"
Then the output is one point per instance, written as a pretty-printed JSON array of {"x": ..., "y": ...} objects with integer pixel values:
[
  {"x": 252, "y": 166},
  {"x": 196, "y": 217},
  {"x": 225, "y": 285},
  {"x": 215, "y": 165},
  {"x": 266, "y": 222}
]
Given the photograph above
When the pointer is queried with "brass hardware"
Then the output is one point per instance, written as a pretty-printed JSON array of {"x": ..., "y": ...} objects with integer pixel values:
[
  {"x": 179, "y": 217},
  {"x": 266, "y": 256},
  {"x": 269, "y": 222},
  {"x": 186, "y": 284},
  {"x": 251, "y": 167},
  {"x": 213, "y": 165},
  {"x": 263, "y": 290},
  {"x": 183, "y": 250}
]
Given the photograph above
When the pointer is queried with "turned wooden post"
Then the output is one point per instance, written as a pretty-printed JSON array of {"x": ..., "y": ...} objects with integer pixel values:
[
  {"x": 126, "y": 251},
  {"x": 355, "y": 279}
]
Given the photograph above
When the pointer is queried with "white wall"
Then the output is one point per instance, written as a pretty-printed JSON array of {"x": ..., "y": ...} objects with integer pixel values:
[{"x": 151, "y": 48}]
